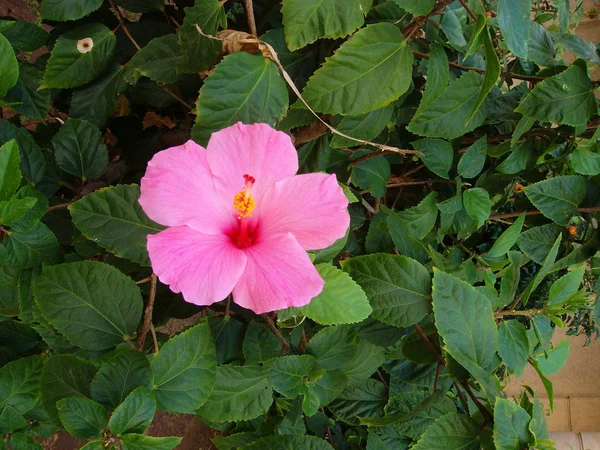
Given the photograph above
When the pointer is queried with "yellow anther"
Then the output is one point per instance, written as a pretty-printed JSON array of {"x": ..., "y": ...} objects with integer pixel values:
[{"x": 244, "y": 203}]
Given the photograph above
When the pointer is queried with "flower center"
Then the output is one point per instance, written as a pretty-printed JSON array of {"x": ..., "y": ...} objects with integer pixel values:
[{"x": 244, "y": 204}]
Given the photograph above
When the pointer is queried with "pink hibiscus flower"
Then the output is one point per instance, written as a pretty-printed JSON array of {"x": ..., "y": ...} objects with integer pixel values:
[{"x": 240, "y": 219}]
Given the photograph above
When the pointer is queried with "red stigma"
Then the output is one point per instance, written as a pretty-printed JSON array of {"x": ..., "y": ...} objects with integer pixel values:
[{"x": 249, "y": 179}]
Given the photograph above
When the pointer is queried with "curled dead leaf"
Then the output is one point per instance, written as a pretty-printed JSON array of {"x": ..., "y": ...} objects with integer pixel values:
[
  {"x": 239, "y": 41},
  {"x": 154, "y": 120}
]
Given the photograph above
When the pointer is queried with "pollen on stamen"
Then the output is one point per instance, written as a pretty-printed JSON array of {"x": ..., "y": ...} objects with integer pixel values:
[{"x": 243, "y": 201}]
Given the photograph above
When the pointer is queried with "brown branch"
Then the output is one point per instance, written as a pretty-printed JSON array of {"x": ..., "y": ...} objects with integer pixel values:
[
  {"x": 466, "y": 7},
  {"x": 284, "y": 344},
  {"x": 536, "y": 212},
  {"x": 148, "y": 313},
  {"x": 250, "y": 14},
  {"x": 526, "y": 312},
  {"x": 418, "y": 22},
  {"x": 60, "y": 206}
]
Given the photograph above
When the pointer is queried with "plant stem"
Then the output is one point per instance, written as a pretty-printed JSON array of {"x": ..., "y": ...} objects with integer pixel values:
[
  {"x": 466, "y": 7},
  {"x": 284, "y": 344},
  {"x": 147, "y": 325},
  {"x": 536, "y": 212},
  {"x": 524, "y": 312},
  {"x": 60, "y": 206},
  {"x": 250, "y": 14}
]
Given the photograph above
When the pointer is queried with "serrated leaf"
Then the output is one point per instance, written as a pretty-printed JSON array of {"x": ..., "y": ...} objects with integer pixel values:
[
  {"x": 287, "y": 373},
  {"x": 63, "y": 10},
  {"x": 11, "y": 420},
  {"x": 585, "y": 160},
  {"x": 260, "y": 344},
  {"x": 141, "y": 442},
  {"x": 227, "y": 333},
  {"x": 24, "y": 249},
  {"x": 537, "y": 241},
  {"x": 79, "y": 149},
  {"x": 333, "y": 347},
  {"x": 135, "y": 414},
  {"x": 120, "y": 376},
  {"x": 234, "y": 441},
  {"x": 365, "y": 126},
  {"x": 437, "y": 155},
  {"x": 507, "y": 239},
  {"x": 341, "y": 301},
  {"x": 398, "y": 287},
  {"x": 515, "y": 23},
  {"x": 25, "y": 36},
  {"x": 33, "y": 215},
  {"x": 511, "y": 425},
  {"x": 33, "y": 163},
  {"x": 19, "y": 441},
  {"x": 543, "y": 271},
  {"x": 75, "y": 299},
  {"x": 65, "y": 376},
  {"x": 419, "y": 220},
  {"x": 578, "y": 45},
  {"x": 114, "y": 219},
  {"x": 416, "y": 8},
  {"x": 72, "y": 64},
  {"x": 10, "y": 170},
  {"x": 240, "y": 393},
  {"x": 557, "y": 198},
  {"x": 372, "y": 174},
  {"x": 9, "y": 68},
  {"x": 517, "y": 160},
  {"x": 513, "y": 346},
  {"x": 447, "y": 116},
  {"x": 185, "y": 370},
  {"x": 465, "y": 320},
  {"x": 437, "y": 74},
  {"x": 565, "y": 287},
  {"x": 553, "y": 360},
  {"x": 243, "y": 87},
  {"x": 298, "y": 64},
  {"x": 82, "y": 417},
  {"x": 367, "y": 360},
  {"x": 14, "y": 209},
  {"x": 156, "y": 61},
  {"x": 477, "y": 204},
  {"x": 366, "y": 399},
  {"x": 17, "y": 335},
  {"x": 288, "y": 442},
  {"x": 327, "y": 388},
  {"x": 96, "y": 101},
  {"x": 20, "y": 383},
  {"x": 452, "y": 431},
  {"x": 566, "y": 98},
  {"x": 472, "y": 161},
  {"x": 26, "y": 97},
  {"x": 305, "y": 21},
  {"x": 492, "y": 72},
  {"x": 348, "y": 83}
]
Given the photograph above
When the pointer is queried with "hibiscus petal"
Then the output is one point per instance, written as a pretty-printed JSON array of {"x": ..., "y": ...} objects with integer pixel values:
[
  {"x": 312, "y": 207},
  {"x": 178, "y": 189},
  {"x": 257, "y": 150},
  {"x": 204, "y": 268},
  {"x": 278, "y": 274}
]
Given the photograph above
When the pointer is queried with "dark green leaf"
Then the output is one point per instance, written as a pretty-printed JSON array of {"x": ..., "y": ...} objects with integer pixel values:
[
  {"x": 156, "y": 61},
  {"x": 25, "y": 36},
  {"x": 437, "y": 155},
  {"x": 135, "y": 414},
  {"x": 566, "y": 287},
  {"x": 24, "y": 249},
  {"x": 557, "y": 198},
  {"x": 492, "y": 72},
  {"x": 478, "y": 205},
  {"x": 515, "y": 22},
  {"x": 19, "y": 441},
  {"x": 365, "y": 399},
  {"x": 17, "y": 336},
  {"x": 142, "y": 6},
  {"x": 365, "y": 126},
  {"x": 10, "y": 171},
  {"x": 82, "y": 417},
  {"x": 537, "y": 241},
  {"x": 9, "y": 68},
  {"x": 437, "y": 74},
  {"x": 472, "y": 161},
  {"x": 452, "y": 431},
  {"x": 27, "y": 99},
  {"x": 20, "y": 383},
  {"x": 288, "y": 443},
  {"x": 287, "y": 373},
  {"x": 260, "y": 344},
  {"x": 14, "y": 209},
  {"x": 35, "y": 214},
  {"x": 513, "y": 346},
  {"x": 141, "y": 442},
  {"x": 333, "y": 347},
  {"x": 367, "y": 360},
  {"x": 33, "y": 163},
  {"x": 586, "y": 158},
  {"x": 11, "y": 420},
  {"x": 416, "y": 7},
  {"x": 227, "y": 333},
  {"x": 517, "y": 160},
  {"x": 372, "y": 174},
  {"x": 68, "y": 9}
]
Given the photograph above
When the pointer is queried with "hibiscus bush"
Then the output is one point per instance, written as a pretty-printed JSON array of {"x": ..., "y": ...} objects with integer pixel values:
[{"x": 312, "y": 224}]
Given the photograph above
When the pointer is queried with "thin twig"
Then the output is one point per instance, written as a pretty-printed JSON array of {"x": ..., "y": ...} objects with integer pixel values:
[
  {"x": 60, "y": 206},
  {"x": 466, "y": 7},
  {"x": 437, "y": 376},
  {"x": 250, "y": 14},
  {"x": 227, "y": 305},
  {"x": 380, "y": 375},
  {"x": 284, "y": 344},
  {"x": 535, "y": 212},
  {"x": 154, "y": 340},
  {"x": 526, "y": 312},
  {"x": 148, "y": 313},
  {"x": 144, "y": 280}
]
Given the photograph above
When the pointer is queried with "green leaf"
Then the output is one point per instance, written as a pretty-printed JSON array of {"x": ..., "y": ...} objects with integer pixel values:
[
  {"x": 586, "y": 158},
  {"x": 9, "y": 68},
  {"x": 540, "y": 46},
  {"x": 465, "y": 319},
  {"x": 305, "y": 21},
  {"x": 437, "y": 74},
  {"x": 24, "y": 249},
  {"x": 79, "y": 56},
  {"x": 142, "y": 6},
  {"x": 565, "y": 287},
  {"x": 79, "y": 149},
  {"x": 475, "y": 39},
  {"x": 11, "y": 420},
  {"x": 452, "y": 431},
  {"x": 547, "y": 384},
  {"x": 523, "y": 126},
  {"x": 287, "y": 373},
  {"x": 515, "y": 23},
  {"x": 553, "y": 360},
  {"x": 452, "y": 28},
  {"x": 333, "y": 347},
  {"x": 260, "y": 344},
  {"x": 566, "y": 98},
  {"x": 14, "y": 209},
  {"x": 20, "y": 383},
  {"x": 96, "y": 101},
  {"x": 507, "y": 239},
  {"x": 243, "y": 87},
  {"x": 398, "y": 287},
  {"x": 33, "y": 163},
  {"x": 365, "y": 126},
  {"x": 10, "y": 171},
  {"x": 416, "y": 8},
  {"x": 537, "y": 241},
  {"x": 419, "y": 220},
  {"x": 65, "y": 376},
  {"x": 362, "y": 400},
  {"x": 26, "y": 97},
  {"x": 114, "y": 219},
  {"x": 437, "y": 155},
  {"x": 120, "y": 376},
  {"x": 368, "y": 359},
  {"x": 19, "y": 441},
  {"x": 513, "y": 346},
  {"x": 578, "y": 45},
  {"x": 141, "y": 442},
  {"x": 241, "y": 393},
  {"x": 477, "y": 204},
  {"x": 543, "y": 271},
  {"x": 472, "y": 161},
  {"x": 25, "y": 36},
  {"x": 156, "y": 61},
  {"x": 76, "y": 300},
  {"x": 35, "y": 214},
  {"x": 17, "y": 335},
  {"x": 135, "y": 414},
  {"x": 510, "y": 280},
  {"x": 341, "y": 301},
  {"x": 558, "y": 197},
  {"x": 492, "y": 72},
  {"x": 372, "y": 174},
  {"x": 81, "y": 417},
  {"x": 185, "y": 370},
  {"x": 511, "y": 425},
  {"x": 349, "y": 81},
  {"x": 62, "y": 10},
  {"x": 227, "y": 334},
  {"x": 327, "y": 388},
  {"x": 9, "y": 285},
  {"x": 447, "y": 116},
  {"x": 288, "y": 442},
  {"x": 199, "y": 52}
]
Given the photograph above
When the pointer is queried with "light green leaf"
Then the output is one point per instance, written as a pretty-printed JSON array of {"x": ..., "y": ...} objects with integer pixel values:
[
  {"x": 372, "y": 174},
  {"x": 465, "y": 319},
  {"x": 437, "y": 155},
  {"x": 578, "y": 45},
  {"x": 33, "y": 163},
  {"x": 26, "y": 97},
  {"x": 543, "y": 271},
  {"x": 75, "y": 299},
  {"x": 79, "y": 149},
  {"x": 120, "y": 376},
  {"x": 81, "y": 417},
  {"x": 553, "y": 360},
  {"x": 368, "y": 359},
  {"x": 507, "y": 239},
  {"x": 114, "y": 219},
  {"x": 419, "y": 220},
  {"x": 135, "y": 414},
  {"x": 452, "y": 431},
  {"x": 20, "y": 383},
  {"x": 365, "y": 126},
  {"x": 328, "y": 387},
  {"x": 241, "y": 393},
  {"x": 65, "y": 376},
  {"x": 492, "y": 72},
  {"x": 97, "y": 101},
  {"x": 523, "y": 126},
  {"x": 243, "y": 87},
  {"x": 452, "y": 28},
  {"x": 475, "y": 39},
  {"x": 511, "y": 425},
  {"x": 79, "y": 56},
  {"x": 38, "y": 210},
  {"x": 515, "y": 23},
  {"x": 24, "y": 249},
  {"x": 288, "y": 442},
  {"x": 437, "y": 74},
  {"x": 447, "y": 116},
  {"x": 185, "y": 370},
  {"x": 513, "y": 346},
  {"x": 9, "y": 67},
  {"x": 287, "y": 373},
  {"x": 586, "y": 158},
  {"x": 517, "y": 160},
  {"x": 557, "y": 198},
  {"x": 14, "y": 209},
  {"x": 141, "y": 442},
  {"x": 341, "y": 301},
  {"x": 349, "y": 81},
  {"x": 566, "y": 287},
  {"x": 477, "y": 204},
  {"x": 305, "y": 21},
  {"x": 537, "y": 241},
  {"x": 398, "y": 287},
  {"x": 10, "y": 171},
  {"x": 416, "y": 7},
  {"x": 472, "y": 161},
  {"x": 333, "y": 347},
  {"x": 156, "y": 61},
  {"x": 62, "y": 10},
  {"x": 566, "y": 98},
  {"x": 260, "y": 344}
]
